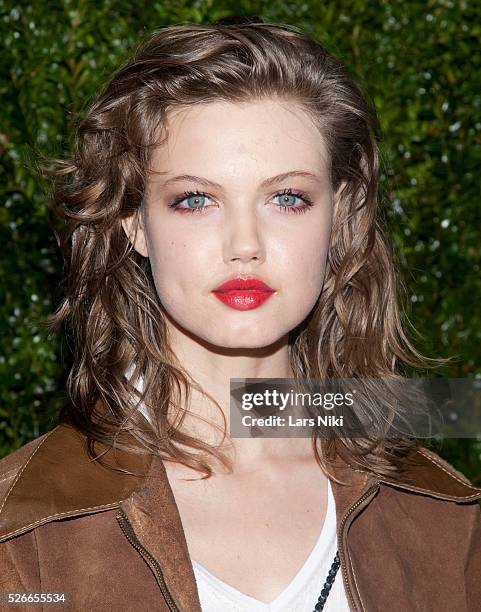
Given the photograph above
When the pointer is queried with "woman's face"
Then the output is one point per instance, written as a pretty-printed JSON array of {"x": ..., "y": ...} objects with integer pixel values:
[{"x": 240, "y": 160}]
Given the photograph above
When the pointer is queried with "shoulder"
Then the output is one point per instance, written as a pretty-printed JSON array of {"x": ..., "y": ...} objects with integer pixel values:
[
  {"x": 428, "y": 473},
  {"x": 435, "y": 499},
  {"x": 18, "y": 557},
  {"x": 12, "y": 465},
  {"x": 53, "y": 477}
]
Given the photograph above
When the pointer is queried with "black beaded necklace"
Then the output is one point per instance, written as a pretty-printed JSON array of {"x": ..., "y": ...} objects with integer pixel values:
[{"x": 328, "y": 584}]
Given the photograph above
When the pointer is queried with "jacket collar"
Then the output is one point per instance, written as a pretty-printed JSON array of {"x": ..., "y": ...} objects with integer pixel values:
[{"x": 57, "y": 480}]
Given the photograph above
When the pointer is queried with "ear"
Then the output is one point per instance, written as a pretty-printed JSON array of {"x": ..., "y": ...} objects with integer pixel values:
[{"x": 135, "y": 233}]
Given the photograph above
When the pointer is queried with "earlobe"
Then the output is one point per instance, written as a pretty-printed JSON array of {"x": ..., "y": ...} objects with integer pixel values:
[{"x": 135, "y": 234}]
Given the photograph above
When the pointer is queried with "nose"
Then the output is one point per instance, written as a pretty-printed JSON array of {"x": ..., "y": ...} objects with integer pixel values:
[{"x": 243, "y": 237}]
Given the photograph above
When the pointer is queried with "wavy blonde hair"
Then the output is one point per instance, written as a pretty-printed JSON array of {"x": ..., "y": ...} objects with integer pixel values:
[{"x": 115, "y": 316}]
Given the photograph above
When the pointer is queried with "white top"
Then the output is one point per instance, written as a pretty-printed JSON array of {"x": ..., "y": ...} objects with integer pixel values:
[{"x": 300, "y": 595}]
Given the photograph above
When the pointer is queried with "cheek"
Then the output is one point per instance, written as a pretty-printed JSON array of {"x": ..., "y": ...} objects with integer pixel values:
[
  {"x": 178, "y": 262},
  {"x": 304, "y": 261}
]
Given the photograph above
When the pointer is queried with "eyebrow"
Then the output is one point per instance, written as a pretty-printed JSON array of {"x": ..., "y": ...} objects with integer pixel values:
[{"x": 265, "y": 183}]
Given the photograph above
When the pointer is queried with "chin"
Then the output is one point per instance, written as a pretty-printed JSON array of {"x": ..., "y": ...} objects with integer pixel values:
[{"x": 243, "y": 340}]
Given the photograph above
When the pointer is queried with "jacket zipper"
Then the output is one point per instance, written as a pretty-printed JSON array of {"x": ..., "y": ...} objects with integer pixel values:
[
  {"x": 342, "y": 555},
  {"x": 129, "y": 533}
]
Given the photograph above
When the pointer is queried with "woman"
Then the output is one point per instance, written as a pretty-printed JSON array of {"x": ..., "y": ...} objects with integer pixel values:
[{"x": 228, "y": 154}]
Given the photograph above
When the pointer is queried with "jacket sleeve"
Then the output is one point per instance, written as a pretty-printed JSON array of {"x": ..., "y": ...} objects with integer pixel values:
[
  {"x": 19, "y": 570},
  {"x": 472, "y": 567}
]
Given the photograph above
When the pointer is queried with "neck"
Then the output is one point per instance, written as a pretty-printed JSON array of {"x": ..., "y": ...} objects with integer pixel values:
[{"x": 212, "y": 368}]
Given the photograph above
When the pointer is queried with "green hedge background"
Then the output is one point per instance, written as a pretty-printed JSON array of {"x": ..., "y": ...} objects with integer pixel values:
[{"x": 419, "y": 61}]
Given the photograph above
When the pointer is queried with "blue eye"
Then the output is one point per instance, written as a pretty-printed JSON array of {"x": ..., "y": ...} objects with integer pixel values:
[
  {"x": 288, "y": 203},
  {"x": 196, "y": 201},
  {"x": 287, "y": 199}
]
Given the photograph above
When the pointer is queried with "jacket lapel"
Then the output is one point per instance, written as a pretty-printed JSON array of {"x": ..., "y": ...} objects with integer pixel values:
[{"x": 155, "y": 519}]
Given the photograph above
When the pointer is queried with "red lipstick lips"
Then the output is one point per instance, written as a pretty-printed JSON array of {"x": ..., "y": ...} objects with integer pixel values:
[{"x": 243, "y": 293}]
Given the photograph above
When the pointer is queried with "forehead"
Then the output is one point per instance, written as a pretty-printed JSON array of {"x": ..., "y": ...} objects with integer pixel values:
[{"x": 260, "y": 136}]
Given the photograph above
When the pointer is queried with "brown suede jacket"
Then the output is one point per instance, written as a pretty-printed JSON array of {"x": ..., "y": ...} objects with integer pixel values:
[{"x": 113, "y": 541}]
